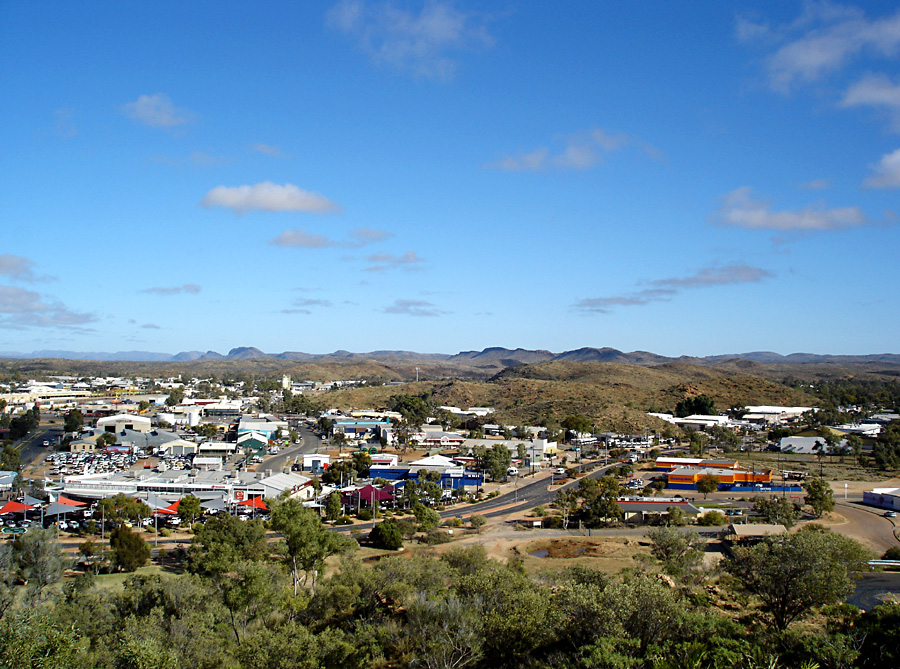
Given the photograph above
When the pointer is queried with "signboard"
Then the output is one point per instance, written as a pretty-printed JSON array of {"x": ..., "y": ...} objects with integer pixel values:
[
  {"x": 239, "y": 495},
  {"x": 14, "y": 530}
]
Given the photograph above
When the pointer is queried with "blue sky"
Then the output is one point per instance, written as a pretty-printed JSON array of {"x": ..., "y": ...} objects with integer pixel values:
[{"x": 680, "y": 177}]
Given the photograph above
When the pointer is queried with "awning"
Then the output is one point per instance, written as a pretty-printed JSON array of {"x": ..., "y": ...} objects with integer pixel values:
[
  {"x": 214, "y": 505},
  {"x": 28, "y": 499},
  {"x": 69, "y": 502},
  {"x": 57, "y": 509},
  {"x": 12, "y": 506},
  {"x": 254, "y": 502}
]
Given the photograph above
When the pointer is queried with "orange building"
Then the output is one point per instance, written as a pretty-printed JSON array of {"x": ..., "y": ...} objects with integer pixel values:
[{"x": 685, "y": 478}]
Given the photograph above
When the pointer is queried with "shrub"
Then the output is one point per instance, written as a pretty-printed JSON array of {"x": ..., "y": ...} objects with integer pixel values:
[
  {"x": 455, "y": 522},
  {"x": 386, "y": 535},
  {"x": 343, "y": 520},
  {"x": 364, "y": 514},
  {"x": 435, "y": 536},
  {"x": 892, "y": 553},
  {"x": 711, "y": 518}
]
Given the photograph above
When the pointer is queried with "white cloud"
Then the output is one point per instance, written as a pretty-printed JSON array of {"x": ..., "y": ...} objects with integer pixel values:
[
  {"x": 302, "y": 239},
  {"x": 661, "y": 290},
  {"x": 823, "y": 40},
  {"x": 156, "y": 111},
  {"x": 267, "y": 196},
  {"x": 741, "y": 209},
  {"x": 65, "y": 123},
  {"x": 150, "y": 326},
  {"x": 19, "y": 268},
  {"x": 580, "y": 151},
  {"x": 412, "y": 308},
  {"x": 886, "y": 172},
  {"x": 875, "y": 90},
  {"x": 268, "y": 150},
  {"x": 191, "y": 288},
  {"x": 379, "y": 262},
  {"x": 816, "y": 184},
  {"x": 423, "y": 44},
  {"x": 21, "y": 308},
  {"x": 356, "y": 238}
]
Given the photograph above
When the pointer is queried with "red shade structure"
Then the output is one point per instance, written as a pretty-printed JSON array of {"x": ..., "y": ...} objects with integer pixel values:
[
  {"x": 170, "y": 510},
  {"x": 255, "y": 503},
  {"x": 12, "y": 506},
  {"x": 69, "y": 502}
]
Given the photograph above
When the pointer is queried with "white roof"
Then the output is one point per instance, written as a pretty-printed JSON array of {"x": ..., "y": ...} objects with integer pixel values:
[{"x": 433, "y": 461}]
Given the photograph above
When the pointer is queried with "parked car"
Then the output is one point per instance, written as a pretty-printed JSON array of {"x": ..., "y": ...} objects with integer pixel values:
[{"x": 890, "y": 514}]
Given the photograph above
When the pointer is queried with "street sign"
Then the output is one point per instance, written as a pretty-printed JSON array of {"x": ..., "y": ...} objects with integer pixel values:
[{"x": 14, "y": 530}]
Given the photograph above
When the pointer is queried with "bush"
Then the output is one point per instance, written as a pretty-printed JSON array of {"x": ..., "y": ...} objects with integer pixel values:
[
  {"x": 892, "y": 553},
  {"x": 364, "y": 514},
  {"x": 455, "y": 522},
  {"x": 711, "y": 518},
  {"x": 343, "y": 520},
  {"x": 130, "y": 551},
  {"x": 553, "y": 523},
  {"x": 435, "y": 536},
  {"x": 386, "y": 535}
]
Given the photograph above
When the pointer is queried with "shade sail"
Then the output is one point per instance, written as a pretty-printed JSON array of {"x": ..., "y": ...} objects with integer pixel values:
[
  {"x": 214, "y": 505},
  {"x": 12, "y": 506},
  {"x": 254, "y": 502},
  {"x": 57, "y": 509},
  {"x": 68, "y": 502},
  {"x": 28, "y": 499}
]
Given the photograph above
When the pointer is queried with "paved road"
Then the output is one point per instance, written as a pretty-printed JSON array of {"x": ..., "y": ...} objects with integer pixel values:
[{"x": 868, "y": 525}]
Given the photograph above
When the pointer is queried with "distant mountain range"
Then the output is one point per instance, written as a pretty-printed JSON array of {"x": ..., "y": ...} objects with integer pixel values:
[{"x": 489, "y": 357}]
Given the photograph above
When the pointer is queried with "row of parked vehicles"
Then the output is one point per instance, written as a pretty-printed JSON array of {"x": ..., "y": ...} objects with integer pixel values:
[{"x": 64, "y": 462}]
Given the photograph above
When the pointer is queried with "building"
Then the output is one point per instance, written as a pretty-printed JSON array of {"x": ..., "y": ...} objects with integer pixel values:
[
  {"x": 809, "y": 446},
  {"x": 685, "y": 478},
  {"x": 883, "y": 498},
  {"x": 125, "y": 421},
  {"x": 667, "y": 464},
  {"x": 641, "y": 509}
]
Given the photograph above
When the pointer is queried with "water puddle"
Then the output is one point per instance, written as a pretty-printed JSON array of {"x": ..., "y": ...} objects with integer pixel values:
[{"x": 542, "y": 553}]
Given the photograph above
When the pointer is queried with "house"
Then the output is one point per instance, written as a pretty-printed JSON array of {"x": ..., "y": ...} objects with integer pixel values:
[
  {"x": 316, "y": 462},
  {"x": 641, "y": 509}
]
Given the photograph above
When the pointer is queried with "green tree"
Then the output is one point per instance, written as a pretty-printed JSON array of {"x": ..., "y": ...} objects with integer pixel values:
[
  {"x": 599, "y": 500},
  {"x": 189, "y": 507},
  {"x": 74, "y": 420},
  {"x": 818, "y": 496},
  {"x": 306, "y": 543},
  {"x": 176, "y": 396},
  {"x": 123, "y": 507},
  {"x": 700, "y": 405},
  {"x": 426, "y": 516},
  {"x": 578, "y": 424},
  {"x": 793, "y": 573},
  {"x": 224, "y": 540},
  {"x": 680, "y": 552},
  {"x": 37, "y": 560},
  {"x": 776, "y": 510},
  {"x": 386, "y": 535},
  {"x": 361, "y": 463},
  {"x": 708, "y": 483},
  {"x": 477, "y": 521},
  {"x": 106, "y": 439},
  {"x": 854, "y": 445},
  {"x": 129, "y": 549},
  {"x": 333, "y": 506}
]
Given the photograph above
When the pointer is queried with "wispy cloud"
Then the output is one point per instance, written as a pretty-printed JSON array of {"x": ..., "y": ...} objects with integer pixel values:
[
  {"x": 20, "y": 268},
  {"x": 824, "y": 39},
  {"x": 267, "y": 196},
  {"x": 302, "y": 239},
  {"x": 886, "y": 172},
  {"x": 876, "y": 90},
  {"x": 379, "y": 262},
  {"x": 65, "y": 123},
  {"x": 150, "y": 326},
  {"x": 662, "y": 290},
  {"x": 413, "y": 308},
  {"x": 816, "y": 184},
  {"x": 424, "y": 44},
  {"x": 356, "y": 238},
  {"x": 157, "y": 111},
  {"x": 268, "y": 150},
  {"x": 580, "y": 151},
  {"x": 306, "y": 306},
  {"x": 190, "y": 288},
  {"x": 741, "y": 209},
  {"x": 21, "y": 308}
]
